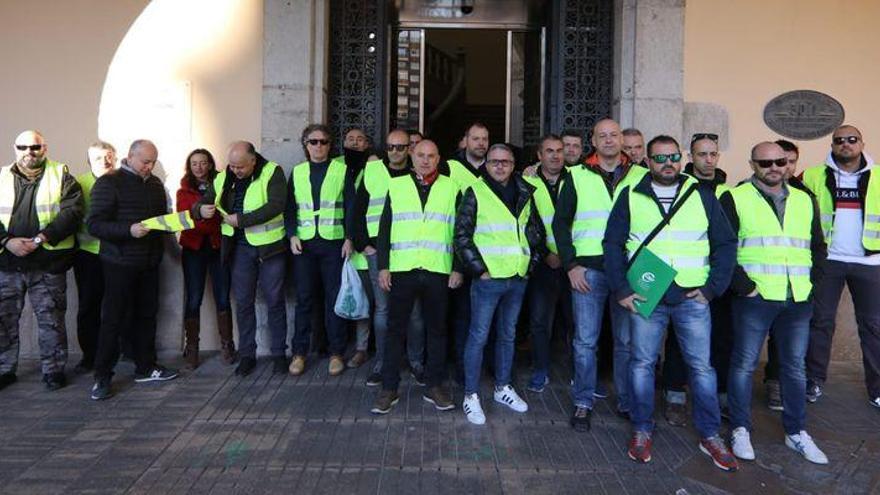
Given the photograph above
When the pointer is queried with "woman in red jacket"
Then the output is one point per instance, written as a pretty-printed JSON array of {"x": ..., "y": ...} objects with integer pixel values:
[{"x": 201, "y": 255}]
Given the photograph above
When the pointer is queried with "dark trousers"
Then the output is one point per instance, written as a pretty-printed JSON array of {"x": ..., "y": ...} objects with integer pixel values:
[
  {"x": 247, "y": 270},
  {"x": 771, "y": 368},
  {"x": 131, "y": 301},
  {"x": 319, "y": 264},
  {"x": 90, "y": 293},
  {"x": 196, "y": 267},
  {"x": 863, "y": 282},
  {"x": 461, "y": 323},
  {"x": 432, "y": 289},
  {"x": 549, "y": 301},
  {"x": 675, "y": 372}
]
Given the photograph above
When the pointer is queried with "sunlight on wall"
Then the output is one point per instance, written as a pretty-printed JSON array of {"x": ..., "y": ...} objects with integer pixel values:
[{"x": 188, "y": 74}]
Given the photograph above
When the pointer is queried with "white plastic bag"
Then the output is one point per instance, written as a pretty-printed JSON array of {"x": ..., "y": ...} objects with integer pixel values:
[{"x": 351, "y": 302}]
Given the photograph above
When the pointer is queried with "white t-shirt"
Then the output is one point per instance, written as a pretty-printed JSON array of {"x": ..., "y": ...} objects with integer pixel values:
[{"x": 665, "y": 194}]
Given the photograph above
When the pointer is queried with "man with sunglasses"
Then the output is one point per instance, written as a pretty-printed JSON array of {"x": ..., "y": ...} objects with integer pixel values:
[
  {"x": 372, "y": 189},
  {"x": 318, "y": 222},
  {"x": 585, "y": 201},
  {"x": 704, "y": 155},
  {"x": 848, "y": 191},
  {"x": 684, "y": 226},
  {"x": 781, "y": 248},
  {"x": 41, "y": 206}
]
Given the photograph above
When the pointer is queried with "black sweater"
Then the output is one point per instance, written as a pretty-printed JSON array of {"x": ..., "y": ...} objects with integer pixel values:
[{"x": 120, "y": 199}]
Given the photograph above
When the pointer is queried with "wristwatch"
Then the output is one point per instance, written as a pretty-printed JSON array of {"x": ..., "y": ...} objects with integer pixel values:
[{"x": 37, "y": 240}]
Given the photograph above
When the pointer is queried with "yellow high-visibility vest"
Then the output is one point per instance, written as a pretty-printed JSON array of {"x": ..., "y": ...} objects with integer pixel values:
[{"x": 47, "y": 200}]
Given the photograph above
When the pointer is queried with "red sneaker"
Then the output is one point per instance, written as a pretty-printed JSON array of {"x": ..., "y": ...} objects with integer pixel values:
[
  {"x": 640, "y": 447},
  {"x": 715, "y": 448}
]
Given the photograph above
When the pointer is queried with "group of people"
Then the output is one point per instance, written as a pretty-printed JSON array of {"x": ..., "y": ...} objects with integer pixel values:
[{"x": 450, "y": 250}]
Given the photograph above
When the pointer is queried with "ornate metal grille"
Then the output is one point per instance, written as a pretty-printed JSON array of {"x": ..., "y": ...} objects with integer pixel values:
[
  {"x": 358, "y": 53},
  {"x": 581, "y": 63}
]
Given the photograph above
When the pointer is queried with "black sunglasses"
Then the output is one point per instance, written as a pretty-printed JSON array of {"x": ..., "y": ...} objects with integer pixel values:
[
  {"x": 779, "y": 162},
  {"x": 396, "y": 147},
  {"x": 848, "y": 139},
  {"x": 315, "y": 142},
  {"x": 704, "y": 135},
  {"x": 672, "y": 157},
  {"x": 25, "y": 147}
]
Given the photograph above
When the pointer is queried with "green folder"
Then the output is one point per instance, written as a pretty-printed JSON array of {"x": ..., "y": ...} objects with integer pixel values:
[{"x": 649, "y": 276}]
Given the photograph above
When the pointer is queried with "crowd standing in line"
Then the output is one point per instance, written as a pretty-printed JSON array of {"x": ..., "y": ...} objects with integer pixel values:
[{"x": 450, "y": 250}]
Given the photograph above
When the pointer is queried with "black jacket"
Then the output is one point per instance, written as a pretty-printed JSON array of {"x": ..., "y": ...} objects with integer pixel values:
[
  {"x": 24, "y": 223},
  {"x": 383, "y": 239},
  {"x": 466, "y": 219},
  {"x": 722, "y": 245},
  {"x": 273, "y": 207},
  {"x": 720, "y": 177},
  {"x": 120, "y": 199},
  {"x": 741, "y": 284}
]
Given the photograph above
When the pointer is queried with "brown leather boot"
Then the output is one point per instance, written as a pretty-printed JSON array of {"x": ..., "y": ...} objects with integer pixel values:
[
  {"x": 227, "y": 344},
  {"x": 191, "y": 348}
]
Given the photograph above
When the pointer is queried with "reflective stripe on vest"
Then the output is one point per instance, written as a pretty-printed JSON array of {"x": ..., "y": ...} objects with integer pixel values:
[
  {"x": 814, "y": 179},
  {"x": 546, "y": 208},
  {"x": 594, "y": 206},
  {"x": 87, "y": 242},
  {"x": 421, "y": 239},
  {"x": 172, "y": 222},
  {"x": 499, "y": 236},
  {"x": 327, "y": 222},
  {"x": 256, "y": 196},
  {"x": 683, "y": 243},
  {"x": 461, "y": 174},
  {"x": 775, "y": 257},
  {"x": 47, "y": 200}
]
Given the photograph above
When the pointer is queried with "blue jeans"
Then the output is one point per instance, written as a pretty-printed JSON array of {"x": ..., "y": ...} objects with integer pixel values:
[
  {"x": 196, "y": 267},
  {"x": 588, "y": 311},
  {"x": 693, "y": 329},
  {"x": 247, "y": 270},
  {"x": 486, "y": 294},
  {"x": 752, "y": 319},
  {"x": 548, "y": 289}
]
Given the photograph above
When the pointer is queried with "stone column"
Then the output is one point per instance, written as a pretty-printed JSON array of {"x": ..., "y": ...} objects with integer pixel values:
[
  {"x": 295, "y": 42},
  {"x": 649, "y": 65}
]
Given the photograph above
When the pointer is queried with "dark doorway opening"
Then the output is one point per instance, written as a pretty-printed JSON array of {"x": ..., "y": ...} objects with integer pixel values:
[{"x": 465, "y": 82}]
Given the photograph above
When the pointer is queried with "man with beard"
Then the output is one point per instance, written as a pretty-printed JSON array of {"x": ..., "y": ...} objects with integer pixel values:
[
  {"x": 848, "y": 192},
  {"x": 40, "y": 209},
  {"x": 781, "y": 248},
  {"x": 683, "y": 225}
]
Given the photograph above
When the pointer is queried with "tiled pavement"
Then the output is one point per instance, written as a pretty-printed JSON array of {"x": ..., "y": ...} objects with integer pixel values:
[{"x": 210, "y": 432}]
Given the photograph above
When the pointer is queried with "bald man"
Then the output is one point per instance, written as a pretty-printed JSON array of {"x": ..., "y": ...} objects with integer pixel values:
[
  {"x": 781, "y": 248},
  {"x": 585, "y": 201},
  {"x": 41, "y": 206},
  {"x": 415, "y": 261},
  {"x": 130, "y": 255},
  {"x": 250, "y": 196}
]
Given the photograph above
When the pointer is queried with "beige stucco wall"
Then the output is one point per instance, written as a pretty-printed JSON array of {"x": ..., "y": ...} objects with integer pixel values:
[
  {"x": 58, "y": 56},
  {"x": 742, "y": 54}
]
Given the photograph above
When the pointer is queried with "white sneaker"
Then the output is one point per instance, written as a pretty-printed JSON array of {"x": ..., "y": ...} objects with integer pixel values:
[
  {"x": 803, "y": 444},
  {"x": 875, "y": 402},
  {"x": 473, "y": 411},
  {"x": 741, "y": 444},
  {"x": 507, "y": 395}
]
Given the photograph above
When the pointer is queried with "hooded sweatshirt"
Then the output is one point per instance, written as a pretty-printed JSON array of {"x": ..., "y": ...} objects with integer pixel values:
[{"x": 846, "y": 240}]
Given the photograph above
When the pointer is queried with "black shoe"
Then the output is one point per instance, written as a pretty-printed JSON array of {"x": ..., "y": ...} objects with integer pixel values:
[
  {"x": 7, "y": 379},
  {"x": 157, "y": 374},
  {"x": 374, "y": 380},
  {"x": 580, "y": 419},
  {"x": 84, "y": 367},
  {"x": 101, "y": 389},
  {"x": 54, "y": 381},
  {"x": 418, "y": 376},
  {"x": 279, "y": 365},
  {"x": 246, "y": 366},
  {"x": 384, "y": 402},
  {"x": 814, "y": 391},
  {"x": 624, "y": 415}
]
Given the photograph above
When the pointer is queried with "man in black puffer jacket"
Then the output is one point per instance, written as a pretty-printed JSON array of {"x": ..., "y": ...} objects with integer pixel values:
[{"x": 130, "y": 255}]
